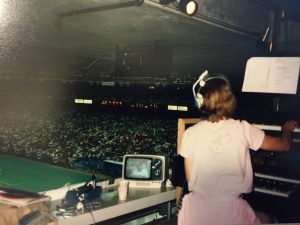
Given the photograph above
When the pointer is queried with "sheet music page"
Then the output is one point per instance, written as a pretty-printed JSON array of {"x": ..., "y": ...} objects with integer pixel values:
[{"x": 272, "y": 75}]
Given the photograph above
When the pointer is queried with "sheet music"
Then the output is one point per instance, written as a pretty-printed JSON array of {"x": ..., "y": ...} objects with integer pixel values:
[{"x": 272, "y": 75}]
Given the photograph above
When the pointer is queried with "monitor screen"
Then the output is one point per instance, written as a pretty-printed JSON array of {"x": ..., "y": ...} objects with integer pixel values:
[
  {"x": 145, "y": 170},
  {"x": 138, "y": 168}
]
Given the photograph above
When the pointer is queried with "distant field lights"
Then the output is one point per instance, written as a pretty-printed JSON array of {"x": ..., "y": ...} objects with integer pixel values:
[
  {"x": 177, "y": 108},
  {"x": 83, "y": 101}
]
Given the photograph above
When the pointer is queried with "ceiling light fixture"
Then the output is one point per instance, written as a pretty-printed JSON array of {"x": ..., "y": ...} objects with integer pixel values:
[
  {"x": 189, "y": 7},
  {"x": 265, "y": 39}
]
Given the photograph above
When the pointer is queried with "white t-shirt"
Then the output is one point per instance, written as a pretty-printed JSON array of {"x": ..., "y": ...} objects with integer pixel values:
[{"x": 220, "y": 158}]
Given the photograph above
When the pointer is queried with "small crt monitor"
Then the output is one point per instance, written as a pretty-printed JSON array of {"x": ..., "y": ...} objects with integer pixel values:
[{"x": 145, "y": 171}]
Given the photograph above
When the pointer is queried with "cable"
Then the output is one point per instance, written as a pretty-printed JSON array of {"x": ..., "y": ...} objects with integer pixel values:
[{"x": 93, "y": 217}]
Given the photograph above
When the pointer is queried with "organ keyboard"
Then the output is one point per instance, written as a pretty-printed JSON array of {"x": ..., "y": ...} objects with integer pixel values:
[
  {"x": 272, "y": 172},
  {"x": 273, "y": 127},
  {"x": 276, "y": 183}
]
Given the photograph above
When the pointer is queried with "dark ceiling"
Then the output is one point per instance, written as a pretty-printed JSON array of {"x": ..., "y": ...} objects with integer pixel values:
[{"x": 80, "y": 38}]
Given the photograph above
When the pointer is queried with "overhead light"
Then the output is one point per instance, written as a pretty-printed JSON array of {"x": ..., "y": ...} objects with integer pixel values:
[
  {"x": 265, "y": 39},
  {"x": 188, "y": 7},
  {"x": 266, "y": 34},
  {"x": 191, "y": 8}
]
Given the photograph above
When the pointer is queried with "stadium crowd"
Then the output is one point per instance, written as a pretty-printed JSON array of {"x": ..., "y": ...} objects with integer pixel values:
[{"x": 61, "y": 138}]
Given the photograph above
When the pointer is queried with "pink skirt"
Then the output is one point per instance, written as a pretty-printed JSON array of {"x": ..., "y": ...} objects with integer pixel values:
[{"x": 232, "y": 210}]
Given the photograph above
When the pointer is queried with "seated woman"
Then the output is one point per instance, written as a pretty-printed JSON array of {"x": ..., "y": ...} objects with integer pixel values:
[{"x": 217, "y": 162}]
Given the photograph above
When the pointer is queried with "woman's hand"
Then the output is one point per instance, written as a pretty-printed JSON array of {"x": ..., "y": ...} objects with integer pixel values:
[{"x": 289, "y": 126}]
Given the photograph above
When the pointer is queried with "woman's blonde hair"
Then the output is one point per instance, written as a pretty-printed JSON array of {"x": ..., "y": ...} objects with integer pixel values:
[{"x": 219, "y": 101}]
